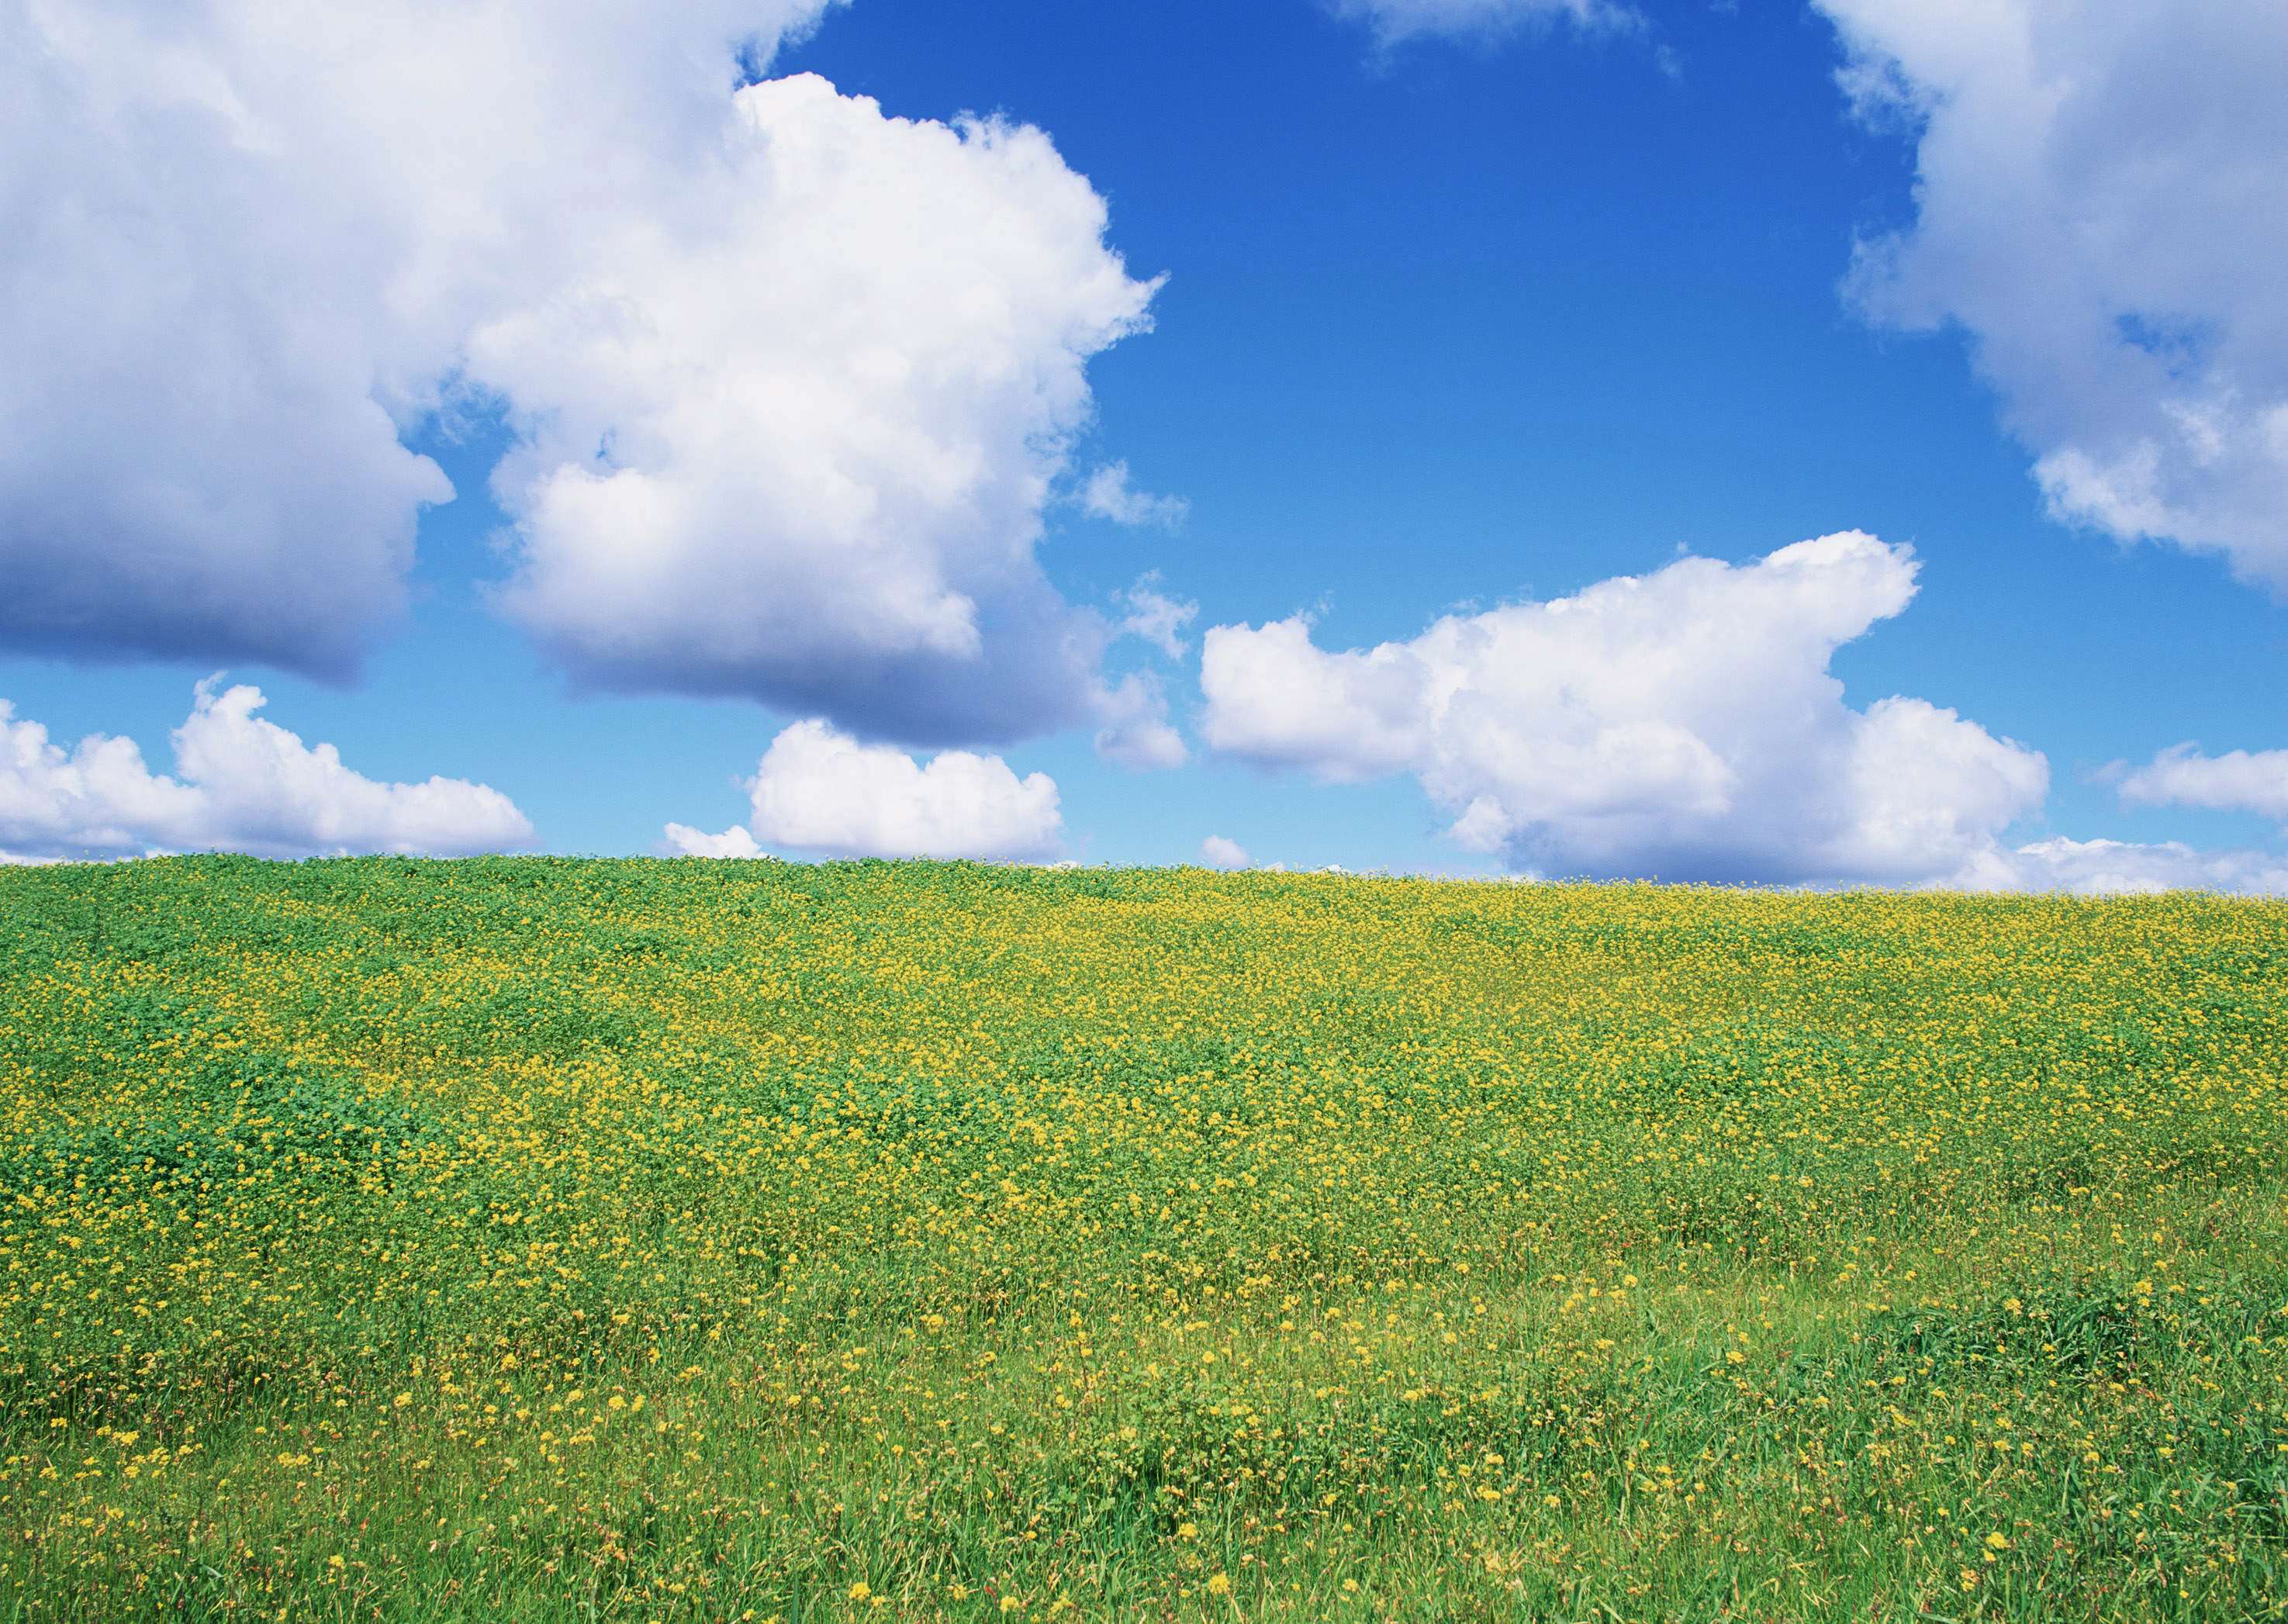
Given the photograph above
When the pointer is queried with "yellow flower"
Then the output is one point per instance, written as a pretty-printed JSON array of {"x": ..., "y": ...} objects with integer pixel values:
[{"x": 1220, "y": 1585}]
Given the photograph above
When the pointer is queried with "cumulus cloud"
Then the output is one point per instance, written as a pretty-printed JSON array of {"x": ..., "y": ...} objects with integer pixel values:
[
  {"x": 2238, "y": 781},
  {"x": 1394, "y": 21},
  {"x": 245, "y": 244},
  {"x": 1110, "y": 494},
  {"x": 1217, "y": 852},
  {"x": 1682, "y": 724},
  {"x": 791, "y": 379},
  {"x": 2097, "y": 203},
  {"x": 792, "y": 440},
  {"x": 242, "y": 784},
  {"x": 819, "y": 791}
]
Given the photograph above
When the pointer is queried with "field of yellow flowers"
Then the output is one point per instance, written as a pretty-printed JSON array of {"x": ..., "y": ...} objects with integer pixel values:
[{"x": 568, "y": 1239}]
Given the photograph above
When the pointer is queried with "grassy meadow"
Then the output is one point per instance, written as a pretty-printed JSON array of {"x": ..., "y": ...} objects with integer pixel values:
[{"x": 533, "y": 1239}]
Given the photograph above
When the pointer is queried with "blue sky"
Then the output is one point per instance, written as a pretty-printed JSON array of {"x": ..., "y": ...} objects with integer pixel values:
[{"x": 1466, "y": 305}]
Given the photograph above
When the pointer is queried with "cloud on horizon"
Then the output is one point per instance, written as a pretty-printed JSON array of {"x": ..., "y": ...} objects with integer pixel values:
[
  {"x": 2118, "y": 868},
  {"x": 821, "y": 792},
  {"x": 1682, "y": 724},
  {"x": 242, "y": 783},
  {"x": 1216, "y": 851}
]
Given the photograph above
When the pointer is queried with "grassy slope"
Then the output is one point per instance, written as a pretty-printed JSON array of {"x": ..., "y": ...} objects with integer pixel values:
[{"x": 630, "y": 1239}]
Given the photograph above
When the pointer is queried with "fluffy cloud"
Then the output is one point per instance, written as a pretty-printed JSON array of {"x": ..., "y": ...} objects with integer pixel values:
[
  {"x": 792, "y": 438},
  {"x": 1393, "y": 20},
  {"x": 1217, "y": 852},
  {"x": 242, "y": 784},
  {"x": 791, "y": 379},
  {"x": 2097, "y": 204},
  {"x": 1109, "y": 494},
  {"x": 2239, "y": 780},
  {"x": 245, "y": 244},
  {"x": 1682, "y": 724},
  {"x": 819, "y": 791}
]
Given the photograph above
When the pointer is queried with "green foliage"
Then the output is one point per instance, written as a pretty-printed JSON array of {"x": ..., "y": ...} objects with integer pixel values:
[
  {"x": 539, "y": 1239},
  {"x": 230, "y": 1122}
]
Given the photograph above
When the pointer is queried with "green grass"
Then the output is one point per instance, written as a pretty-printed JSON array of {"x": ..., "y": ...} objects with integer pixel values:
[{"x": 549, "y": 1240}]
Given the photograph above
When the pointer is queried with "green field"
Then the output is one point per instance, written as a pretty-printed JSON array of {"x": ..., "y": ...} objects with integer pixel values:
[{"x": 540, "y": 1238}]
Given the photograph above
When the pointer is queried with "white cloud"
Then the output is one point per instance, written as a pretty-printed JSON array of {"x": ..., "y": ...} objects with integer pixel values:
[
  {"x": 2105, "y": 867},
  {"x": 793, "y": 379},
  {"x": 791, "y": 439},
  {"x": 242, "y": 784},
  {"x": 2239, "y": 780},
  {"x": 819, "y": 791},
  {"x": 681, "y": 840},
  {"x": 1109, "y": 494},
  {"x": 1217, "y": 852},
  {"x": 1682, "y": 724},
  {"x": 1155, "y": 616},
  {"x": 2098, "y": 204},
  {"x": 244, "y": 243},
  {"x": 1394, "y": 21}
]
